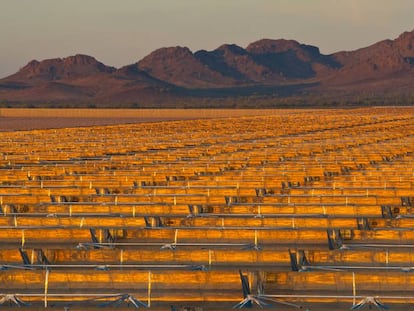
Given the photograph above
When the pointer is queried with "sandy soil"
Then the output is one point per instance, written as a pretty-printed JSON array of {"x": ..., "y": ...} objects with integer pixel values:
[
  {"x": 30, "y": 119},
  {"x": 28, "y": 123}
]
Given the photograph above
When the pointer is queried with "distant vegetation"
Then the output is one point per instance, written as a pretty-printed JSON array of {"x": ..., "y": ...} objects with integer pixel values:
[{"x": 249, "y": 102}]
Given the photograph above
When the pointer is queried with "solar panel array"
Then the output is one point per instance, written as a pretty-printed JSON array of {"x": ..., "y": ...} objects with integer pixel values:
[{"x": 306, "y": 207}]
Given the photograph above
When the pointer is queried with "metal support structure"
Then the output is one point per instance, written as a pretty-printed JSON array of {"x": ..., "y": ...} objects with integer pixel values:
[
  {"x": 46, "y": 285},
  {"x": 149, "y": 289}
]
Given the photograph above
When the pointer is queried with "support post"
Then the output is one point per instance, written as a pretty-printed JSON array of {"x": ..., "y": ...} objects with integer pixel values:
[
  {"x": 176, "y": 237},
  {"x": 353, "y": 288},
  {"x": 23, "y": 240},
  {"x": 149, "y": 289},
  {"x": 46, "y": 285}
]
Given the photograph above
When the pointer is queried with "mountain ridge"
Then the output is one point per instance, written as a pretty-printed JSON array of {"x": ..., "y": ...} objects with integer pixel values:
[{"x": 284, "y": 68}]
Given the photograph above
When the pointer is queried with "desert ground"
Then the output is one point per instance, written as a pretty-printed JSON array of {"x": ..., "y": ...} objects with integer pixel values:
[{"x": 29, "y": 119}]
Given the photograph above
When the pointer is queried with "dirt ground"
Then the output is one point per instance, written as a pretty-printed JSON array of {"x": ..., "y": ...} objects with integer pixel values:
[
  {"x": 30, "y": 119},
  {"x": 28, "y": 123},
  {"x": 212, "y": 307}
]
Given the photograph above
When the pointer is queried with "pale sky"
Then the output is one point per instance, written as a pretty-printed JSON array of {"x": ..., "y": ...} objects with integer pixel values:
[{"x": 121, "y": 32}]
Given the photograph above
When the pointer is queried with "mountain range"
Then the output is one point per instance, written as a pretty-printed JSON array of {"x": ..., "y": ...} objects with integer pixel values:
[{"x": 266, "y": 71}]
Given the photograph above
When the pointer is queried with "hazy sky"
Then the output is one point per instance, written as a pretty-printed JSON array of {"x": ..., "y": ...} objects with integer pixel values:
[{"x": 121, "y": 32}]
